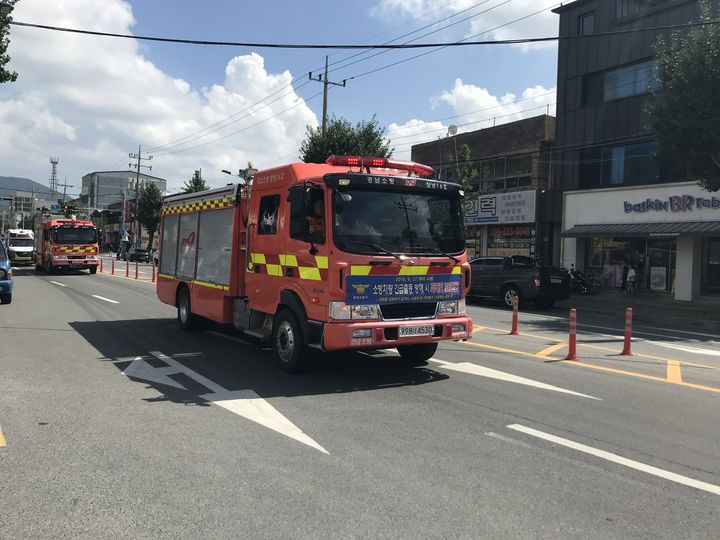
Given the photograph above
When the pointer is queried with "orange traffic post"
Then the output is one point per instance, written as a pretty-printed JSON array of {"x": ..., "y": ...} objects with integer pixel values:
[
  {"x": 112, "y": 264},
  {"x": 628, "y": 333},
  {"x": 137, "y": 273},
  {"x": 127, "y": 268},
  {"x": 101, "y": 265},
  {"x": 154, "y": 274},
  {"x": 572, "y": 342},
  {"x": 514, "y": 329}
]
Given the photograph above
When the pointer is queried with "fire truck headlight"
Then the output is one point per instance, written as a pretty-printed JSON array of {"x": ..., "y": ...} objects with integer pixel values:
[
  {"x": 451, "y": 307},
  {"x": 341, "y": 311}
]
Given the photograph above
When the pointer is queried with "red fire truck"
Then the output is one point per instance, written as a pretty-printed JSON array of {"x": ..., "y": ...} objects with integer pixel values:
[
  {"x": 356, "y": 253},
  {"x": 66, "y": 244}
]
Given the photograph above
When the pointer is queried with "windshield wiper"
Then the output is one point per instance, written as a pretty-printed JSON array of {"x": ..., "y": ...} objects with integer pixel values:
[
  {"x": 374, "y": 246},
  {"x": 435, "y": 250}
]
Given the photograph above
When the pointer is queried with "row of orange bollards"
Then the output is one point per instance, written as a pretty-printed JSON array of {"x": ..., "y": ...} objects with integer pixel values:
[
  {"x": 572, "y": 331},
  {"x": 127, "y": 270}
]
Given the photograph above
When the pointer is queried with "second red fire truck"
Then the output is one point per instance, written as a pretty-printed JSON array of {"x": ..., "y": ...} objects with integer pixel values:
[
  {"x": 66, "y": 244},
  {"x": 356, "y": 253}
]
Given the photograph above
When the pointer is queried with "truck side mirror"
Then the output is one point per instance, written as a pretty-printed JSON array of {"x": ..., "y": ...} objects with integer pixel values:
[{"x": 339, "y": 200}]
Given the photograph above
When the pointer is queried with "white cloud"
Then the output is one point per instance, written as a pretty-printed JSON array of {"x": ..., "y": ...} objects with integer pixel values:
[
  {"x": 473, "y": 108},
  {"x": 493, "y": 19},
  {"x": 91, "y": 100}
]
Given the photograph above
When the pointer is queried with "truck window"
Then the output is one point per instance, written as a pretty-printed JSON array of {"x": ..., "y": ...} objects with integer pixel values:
[
  {"x": 187, "y": 246},
  {"x": 268, "y": 214},
  {"x": 213, "y": 258},
  {"x": 169, "y": 244}
]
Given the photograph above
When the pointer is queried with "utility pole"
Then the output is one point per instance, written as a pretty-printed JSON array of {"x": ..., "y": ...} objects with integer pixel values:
[
  {"x": 65, "y": 186},
  {"x": 137, "y": 166},
  {"x": 324, "y": 79}
]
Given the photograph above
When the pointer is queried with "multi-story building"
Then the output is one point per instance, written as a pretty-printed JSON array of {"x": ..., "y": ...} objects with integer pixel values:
[
  {"x": 617, "y": 200},
  {"x": 512, "y": 163},
  {"x": 106, "y": 187}
]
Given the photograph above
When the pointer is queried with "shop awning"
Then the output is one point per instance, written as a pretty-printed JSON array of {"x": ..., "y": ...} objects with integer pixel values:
[{"x": 643, "y": 229}]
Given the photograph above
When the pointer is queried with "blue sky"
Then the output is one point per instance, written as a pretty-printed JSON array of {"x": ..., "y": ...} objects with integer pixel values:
[{"x": 92, "y": 100}]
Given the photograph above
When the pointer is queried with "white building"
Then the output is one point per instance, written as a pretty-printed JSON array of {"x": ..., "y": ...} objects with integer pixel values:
[{"x": 670, "y": 233}]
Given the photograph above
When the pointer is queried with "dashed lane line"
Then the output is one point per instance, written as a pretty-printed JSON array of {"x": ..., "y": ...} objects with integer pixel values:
[
  {"x": 620, "y": 460},
  {"x": 104, "y": 299},
  {"x": 58, "y": 284},
  {"x": 3, "y": 440},
  {"x": 673, "y": 371}
]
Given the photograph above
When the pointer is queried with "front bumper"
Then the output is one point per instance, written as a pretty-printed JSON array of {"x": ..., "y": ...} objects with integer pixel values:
[
  {"x": 338, "y": 335},
  {"x": 74, "y": 264},
  {"x": 6, "y": 286}
]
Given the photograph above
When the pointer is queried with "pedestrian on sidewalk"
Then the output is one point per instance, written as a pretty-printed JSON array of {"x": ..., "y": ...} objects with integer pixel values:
[{"x": 631, "y": 279}]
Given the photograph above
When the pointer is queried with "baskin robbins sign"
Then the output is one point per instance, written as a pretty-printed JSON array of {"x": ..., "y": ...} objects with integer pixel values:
[{"x": 675, "y": 204}]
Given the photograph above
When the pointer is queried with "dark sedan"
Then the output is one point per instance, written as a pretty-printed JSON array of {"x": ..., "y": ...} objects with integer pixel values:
[{"x": 136, "y": 255}]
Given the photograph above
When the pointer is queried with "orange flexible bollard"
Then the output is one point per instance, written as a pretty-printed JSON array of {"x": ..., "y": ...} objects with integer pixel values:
[
  {"x": 514, "y": 329},
  {"x": 101, "y": 265},
  {"x": 112, "y": 262},
  {"x": 572, "y": 343},
  {"x": 154, "y": 274},
  {"x": 628, "y": 333},
  {"x": 127, "y": 268},
  {"x": 137, "y": 273}
]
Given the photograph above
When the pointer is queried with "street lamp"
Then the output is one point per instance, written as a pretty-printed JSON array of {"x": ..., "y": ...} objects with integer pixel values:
[{"x": 5, "y": 8}]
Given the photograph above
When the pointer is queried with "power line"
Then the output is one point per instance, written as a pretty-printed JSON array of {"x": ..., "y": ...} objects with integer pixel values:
[{"x": 463, "y": 43}]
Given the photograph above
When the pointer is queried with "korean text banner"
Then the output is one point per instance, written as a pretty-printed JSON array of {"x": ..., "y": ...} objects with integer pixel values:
[{"x": 396, "y": 289}]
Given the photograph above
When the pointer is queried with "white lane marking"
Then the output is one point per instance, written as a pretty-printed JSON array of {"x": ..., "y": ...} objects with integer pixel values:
[
  {"x": 474, "y": 369},
  {"x": 609, "y": 456},
  {"x": 716, "y": 336},
  {"x": 58, "y": 284},
  {"x": 105, "y": 299},
  {"x": 245, "y": 403},
  {"x": 140, "y": 369},
  {"x": 685, "y": 348}
]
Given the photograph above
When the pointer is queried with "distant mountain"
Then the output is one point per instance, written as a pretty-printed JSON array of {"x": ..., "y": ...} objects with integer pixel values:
[{"x": 10, "y": 184}]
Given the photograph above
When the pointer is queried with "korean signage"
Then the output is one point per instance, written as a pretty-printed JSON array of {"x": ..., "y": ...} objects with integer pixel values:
[
  {"x": 508, "y": 240},
  {"x": 395, "y": 289},
  {"x": 515, "y": 207},
  {"x": 674, "y": 203}
]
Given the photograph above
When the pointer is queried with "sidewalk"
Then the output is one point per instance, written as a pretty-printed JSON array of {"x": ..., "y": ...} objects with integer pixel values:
[{"x": 702, "y": 314}]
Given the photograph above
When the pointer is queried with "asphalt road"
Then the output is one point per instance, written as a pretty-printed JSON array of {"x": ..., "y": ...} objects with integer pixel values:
[{"x": 116, "y": 424}]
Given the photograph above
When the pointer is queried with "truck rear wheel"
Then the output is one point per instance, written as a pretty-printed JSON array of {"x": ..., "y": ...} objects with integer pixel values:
[
  {"x": 288, "y": 342},
  {"x": 417, "y": 355},
  {"x": 186, "y": 319}
]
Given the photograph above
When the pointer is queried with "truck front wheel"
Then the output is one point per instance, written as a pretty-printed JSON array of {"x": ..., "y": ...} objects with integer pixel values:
[
  {"x": 93, "y": 269},
  {"x": 417, "y": 355},
  {"x": 186, "y": 319},
  {"x": 288, "y": 342}
]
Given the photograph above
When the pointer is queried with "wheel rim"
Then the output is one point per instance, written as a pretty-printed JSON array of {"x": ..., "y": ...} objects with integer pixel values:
[
  {"x": 285, "y": 341},
  {"x": 183, "y": 308},
  {"x": 510, "y": 295}
]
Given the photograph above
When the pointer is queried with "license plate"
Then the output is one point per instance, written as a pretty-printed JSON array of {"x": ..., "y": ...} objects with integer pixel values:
[
  {"x": 555, "y": 280},
  {"x": 410, "y": 331}
]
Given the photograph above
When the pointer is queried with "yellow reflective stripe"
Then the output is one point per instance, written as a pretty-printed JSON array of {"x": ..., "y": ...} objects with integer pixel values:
[
  {"x": 166, "y": 276},
  {"x": 309, "y": 273},
  {"x": 258, "y": 258},
  {"x": 274, "y": 269},
  {"x": 211, "y": 285},
  {"x": 321, "y": 261},
  {"x": 288, "y": 260},
  {"x": 456, "y": 270},
  {"x": 413, "y": 270},
  {"x": 360, "y": 270}
]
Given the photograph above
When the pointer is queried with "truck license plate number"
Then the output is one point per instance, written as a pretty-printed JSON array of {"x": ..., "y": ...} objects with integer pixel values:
[
  {"x": 555, "y": 280},
  {"x": 410, "y": 331}
]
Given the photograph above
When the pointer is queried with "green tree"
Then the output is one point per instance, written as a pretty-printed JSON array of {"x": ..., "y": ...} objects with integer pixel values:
[
  {"x": 467, "y": 173},
  {"x": 5, "y": 76},
  {"x": 196, "y": 183},
  {"x": 366, "y": 138},
  {"x": 685, "y": 112},
  {"x": 149, "y": 204}
]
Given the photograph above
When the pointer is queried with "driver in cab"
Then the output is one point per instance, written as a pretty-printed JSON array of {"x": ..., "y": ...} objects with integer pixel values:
[{"x": 316, "y": 222}]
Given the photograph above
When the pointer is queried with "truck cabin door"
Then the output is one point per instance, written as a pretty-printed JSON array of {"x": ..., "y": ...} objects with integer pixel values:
[{"x": 264, "y": 271}]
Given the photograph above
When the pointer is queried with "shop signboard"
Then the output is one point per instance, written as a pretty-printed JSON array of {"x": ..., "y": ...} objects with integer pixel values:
[
  {"x": 658, "y": 278},
  {"x": 514, "y": 207},
  {"x": 509, "y": 240}
]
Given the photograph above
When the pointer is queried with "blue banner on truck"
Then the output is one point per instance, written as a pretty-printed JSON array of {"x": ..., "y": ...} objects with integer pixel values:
[{"x": 396, "y": 289}]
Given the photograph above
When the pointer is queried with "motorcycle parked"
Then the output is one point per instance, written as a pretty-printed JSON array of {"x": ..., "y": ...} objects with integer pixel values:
[{"x": 582, "y": 285}]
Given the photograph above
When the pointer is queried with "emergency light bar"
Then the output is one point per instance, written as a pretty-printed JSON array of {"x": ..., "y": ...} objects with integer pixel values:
[{"x": 380, "y": 162}]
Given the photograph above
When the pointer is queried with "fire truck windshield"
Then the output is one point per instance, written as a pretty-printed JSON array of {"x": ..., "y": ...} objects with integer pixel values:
[
  {"x": 75, "y": 235},
  {"x": 414, "y": 222}
]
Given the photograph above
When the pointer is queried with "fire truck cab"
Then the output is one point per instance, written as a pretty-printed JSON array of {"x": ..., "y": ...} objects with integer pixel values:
[
  {"x": 66, "y": 244},
  {"x": 356, "y": 253}
]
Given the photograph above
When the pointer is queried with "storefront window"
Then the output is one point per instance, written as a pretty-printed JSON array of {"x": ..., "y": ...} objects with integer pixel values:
[
  {"x": 653, "y": 261},
  {"x": 509, "y": 240},
  {"x": 711, "y": 266}
]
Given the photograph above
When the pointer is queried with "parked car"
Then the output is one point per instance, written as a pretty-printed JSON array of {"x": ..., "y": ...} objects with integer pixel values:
[
  {"x": 6, "y": 282},
  {"x": 507, "y": 277},
  {"x": 135, "y": 255}
]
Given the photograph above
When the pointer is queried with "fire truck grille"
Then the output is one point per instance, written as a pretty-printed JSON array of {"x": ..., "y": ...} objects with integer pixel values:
[{"x": 408, "y": 311}]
